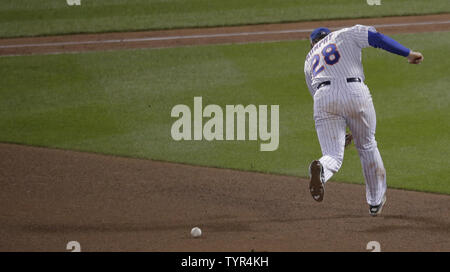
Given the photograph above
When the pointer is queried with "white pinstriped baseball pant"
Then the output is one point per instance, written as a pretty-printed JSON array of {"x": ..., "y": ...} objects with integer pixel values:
[{"x": 343, "y": 104}]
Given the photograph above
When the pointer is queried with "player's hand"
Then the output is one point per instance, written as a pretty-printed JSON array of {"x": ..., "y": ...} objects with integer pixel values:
[{"x": 415, "y": 57}]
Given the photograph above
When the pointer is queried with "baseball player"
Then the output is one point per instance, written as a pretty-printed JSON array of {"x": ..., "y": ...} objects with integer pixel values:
[{"x": 335, "y": 78}]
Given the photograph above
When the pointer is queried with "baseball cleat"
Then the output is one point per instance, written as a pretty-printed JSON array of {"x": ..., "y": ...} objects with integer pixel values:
[
  {"x": 317, "y": 183},
  {"x": 376, "y": 210}
]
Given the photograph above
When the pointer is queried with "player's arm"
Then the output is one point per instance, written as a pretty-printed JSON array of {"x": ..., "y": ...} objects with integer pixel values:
[
  {"x": 308, "y": 80},
  {"x": 378, "y": 40}
]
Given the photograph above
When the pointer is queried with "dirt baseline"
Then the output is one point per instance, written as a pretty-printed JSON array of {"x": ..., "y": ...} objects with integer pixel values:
[
  {"x": 214, "y": 35},
  {"x": 50, "y": 197}
]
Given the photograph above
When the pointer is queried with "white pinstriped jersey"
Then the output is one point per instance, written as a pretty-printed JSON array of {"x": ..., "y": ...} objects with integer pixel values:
[
  {"x": 337, "y": 56},
  {"x": 343, "y": 104}
]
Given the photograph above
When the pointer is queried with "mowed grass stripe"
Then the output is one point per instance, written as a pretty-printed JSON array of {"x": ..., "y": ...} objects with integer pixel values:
[
  {"x": 50, "y": 17},
  {"x": 119, "y": 103}
]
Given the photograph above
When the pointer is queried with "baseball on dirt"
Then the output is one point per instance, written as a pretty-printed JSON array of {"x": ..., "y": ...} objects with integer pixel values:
[{"x": 196, "y": 232}]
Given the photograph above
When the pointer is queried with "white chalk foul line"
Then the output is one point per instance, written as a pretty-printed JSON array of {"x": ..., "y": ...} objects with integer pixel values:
[{"x": 200, "y": 36}]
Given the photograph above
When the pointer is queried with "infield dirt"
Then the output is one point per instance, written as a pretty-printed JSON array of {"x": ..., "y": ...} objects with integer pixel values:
[{"x": 50, "y": 197}]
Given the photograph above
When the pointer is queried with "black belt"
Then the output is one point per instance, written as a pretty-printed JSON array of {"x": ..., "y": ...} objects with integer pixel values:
[{"x": 350, "y": 79}]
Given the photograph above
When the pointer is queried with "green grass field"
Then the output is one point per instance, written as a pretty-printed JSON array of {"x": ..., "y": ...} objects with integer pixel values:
[
  {"x": 119, "y": 102},
  {"x": 45, "y": 17}
]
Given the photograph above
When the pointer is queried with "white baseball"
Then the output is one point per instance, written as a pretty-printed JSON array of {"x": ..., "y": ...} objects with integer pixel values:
[{"x": 196, "y": 232}]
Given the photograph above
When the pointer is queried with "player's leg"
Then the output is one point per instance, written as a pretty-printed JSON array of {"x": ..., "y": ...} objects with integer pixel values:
[
  {"x": 331, "y": 134},
  {"x": 361, "y": 119},
  {"x": 330, "y": 127}
]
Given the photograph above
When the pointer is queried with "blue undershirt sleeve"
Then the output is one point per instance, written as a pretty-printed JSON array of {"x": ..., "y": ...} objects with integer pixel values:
[{"x": 379, "y": 40}]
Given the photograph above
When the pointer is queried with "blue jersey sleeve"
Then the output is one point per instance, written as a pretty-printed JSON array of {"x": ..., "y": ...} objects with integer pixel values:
[{"x": 379, "y": 40}]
